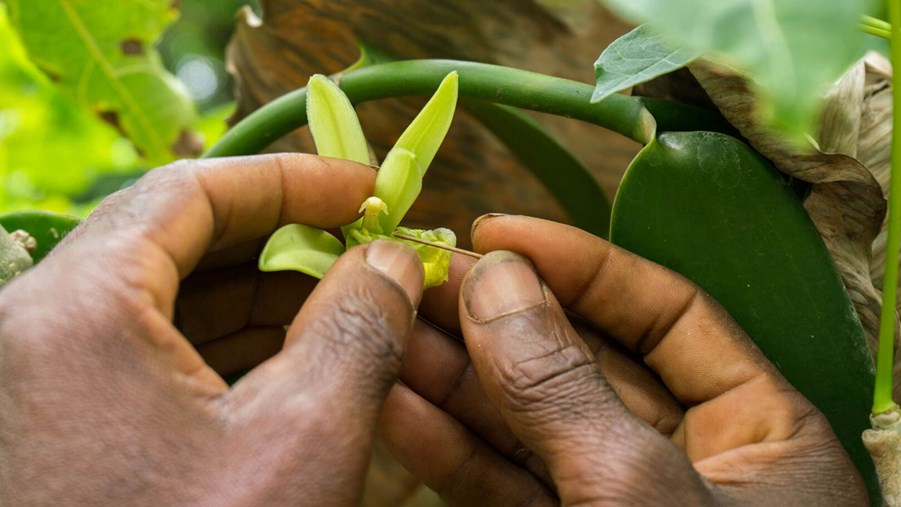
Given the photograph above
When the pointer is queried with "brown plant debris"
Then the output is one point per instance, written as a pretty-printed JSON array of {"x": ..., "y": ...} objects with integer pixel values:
[{"x": 846, "y": 202}]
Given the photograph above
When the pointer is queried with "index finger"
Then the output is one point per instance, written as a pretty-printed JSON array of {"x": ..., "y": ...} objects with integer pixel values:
[
  {"x": 176, "y": 214},
  {"x": 689, "y": 340}
]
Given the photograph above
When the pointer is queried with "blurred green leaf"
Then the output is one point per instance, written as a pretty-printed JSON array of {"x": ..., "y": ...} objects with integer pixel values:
[
  {"x": 214, "y": 122},
  {"x": 102, "y": 55},
  {"x": 50, "y": 150},
  {"x": 299, "y": 247},
  {"x": 635, "y": 58},
  {"x": 791, "y": 48},
  {"x": 709, "y": 207}
]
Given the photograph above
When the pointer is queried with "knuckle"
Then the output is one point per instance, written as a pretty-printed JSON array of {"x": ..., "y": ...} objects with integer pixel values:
[
  {"x": 554, "y": 384},
  {"x": 360, "y": 330}
]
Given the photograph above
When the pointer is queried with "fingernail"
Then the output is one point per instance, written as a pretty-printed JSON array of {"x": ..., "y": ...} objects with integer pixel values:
[
  {"x": 482, "y": 219},
  {"x": 399, "y": 263},
  {"x": 501, "y": 283}
]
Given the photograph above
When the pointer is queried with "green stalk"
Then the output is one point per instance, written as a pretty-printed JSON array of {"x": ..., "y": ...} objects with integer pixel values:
[
  {"x": 882, "y": 396},
  {"x": 876, "y": 23},
  {"x": 872, "y": 30},
  {"x": 624, "y": 115}
]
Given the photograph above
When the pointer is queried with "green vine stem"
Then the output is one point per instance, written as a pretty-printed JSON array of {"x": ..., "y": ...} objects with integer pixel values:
[
  {"x": 882, "y": 395},
  {"x": 629, "y": 116},
  {"x": 875, "y": 26}
]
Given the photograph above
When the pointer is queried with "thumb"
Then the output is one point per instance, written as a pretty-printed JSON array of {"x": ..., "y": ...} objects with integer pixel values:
[
  {"x": 550, "y": 390},
  {"x": 342, "y": 354}
]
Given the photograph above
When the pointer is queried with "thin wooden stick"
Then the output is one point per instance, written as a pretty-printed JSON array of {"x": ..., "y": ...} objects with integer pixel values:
[{"x": 437, "y": 245}]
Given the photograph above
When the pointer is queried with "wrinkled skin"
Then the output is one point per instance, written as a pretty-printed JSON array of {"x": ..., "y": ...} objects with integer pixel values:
[
  {"x": 642, "y": 392},
  {"x": 113, "y": 352},
  {"x": 104, "y": 401}
]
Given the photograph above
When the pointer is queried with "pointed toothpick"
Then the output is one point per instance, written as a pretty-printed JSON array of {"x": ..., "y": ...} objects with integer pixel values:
[{"x": 437, "y": 245}]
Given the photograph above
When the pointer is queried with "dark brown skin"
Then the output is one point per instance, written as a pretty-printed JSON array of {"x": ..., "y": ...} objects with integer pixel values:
[
  {"x": 655, "y": 398},
  {"x": 104, "y": 402}
]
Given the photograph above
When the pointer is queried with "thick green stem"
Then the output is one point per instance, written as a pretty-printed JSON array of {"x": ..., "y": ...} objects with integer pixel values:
[
  {"x": 875, "y": 26},
  {"x": 882, "y": 396},
  {"x": 625, "y": 115}
]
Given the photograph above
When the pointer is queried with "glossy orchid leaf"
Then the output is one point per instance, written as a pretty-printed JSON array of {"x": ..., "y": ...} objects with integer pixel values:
[
  {"x": 298, "y": 247},
  {"x": 333, "y": 122},
  {"x": 709, "y": 207},
  {"x": 400, "y": 178}
]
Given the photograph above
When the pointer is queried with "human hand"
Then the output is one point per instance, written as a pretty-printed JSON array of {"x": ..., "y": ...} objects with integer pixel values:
[
  {"x": 645, "y": 393},
  {"x": 104, "y": 401}
]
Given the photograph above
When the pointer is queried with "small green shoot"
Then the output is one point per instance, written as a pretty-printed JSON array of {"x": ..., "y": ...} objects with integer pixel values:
[{"x": 883, "y": 400}]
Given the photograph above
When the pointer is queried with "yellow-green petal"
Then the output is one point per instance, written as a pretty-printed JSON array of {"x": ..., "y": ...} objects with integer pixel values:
[
  {"x": 399, "y": 180},
  {"x": 398, "y": 184},
  {"x": 298, "y": 247},
  {"x": 333, "y": 122},
  {"x": 435, "y": 261}
]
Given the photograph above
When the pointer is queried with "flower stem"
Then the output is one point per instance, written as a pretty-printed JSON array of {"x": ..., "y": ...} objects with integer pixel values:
[
  {"x": 875, "y": 26},
  {"x": 882, "y": 395}
]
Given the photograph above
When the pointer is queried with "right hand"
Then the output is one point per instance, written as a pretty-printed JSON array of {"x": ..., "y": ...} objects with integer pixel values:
[{"x": 659, "y": 399}]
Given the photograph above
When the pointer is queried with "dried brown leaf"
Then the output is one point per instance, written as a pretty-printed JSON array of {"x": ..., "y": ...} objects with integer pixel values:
[{"x": 846, "y": 202}]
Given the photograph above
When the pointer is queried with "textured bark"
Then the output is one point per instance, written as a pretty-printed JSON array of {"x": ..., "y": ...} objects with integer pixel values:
[
  {"x": 473, "y": 173},
  {"x": 14, "y": 258}
]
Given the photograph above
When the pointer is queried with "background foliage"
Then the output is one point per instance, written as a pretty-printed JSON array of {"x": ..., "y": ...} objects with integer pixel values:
[{"x": 54, "y": 153}]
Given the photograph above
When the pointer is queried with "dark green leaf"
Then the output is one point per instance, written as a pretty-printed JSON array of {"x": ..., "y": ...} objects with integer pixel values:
[
  {"x": 712, "y": 209},
  {"x": 635, "y": 58},
  {"x": 561, "y": 172},
  {"x": 45, "y": 227}
]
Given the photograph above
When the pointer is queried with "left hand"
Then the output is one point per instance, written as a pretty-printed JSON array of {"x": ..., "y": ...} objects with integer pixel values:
[{"x": 104, "y": 400}]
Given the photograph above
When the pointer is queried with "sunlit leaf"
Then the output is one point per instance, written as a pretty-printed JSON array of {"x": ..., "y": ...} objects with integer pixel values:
[
  {"x": 791, "y": 48},
  {"x": 50, "y": 150},
  {"x": 333, "y": 122},
  {"x": 635, "y": 58},
  {"x": 102, "y": 55},
  {"x": 299, "y": 247},
  {"x": 213, "y": 123}
]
